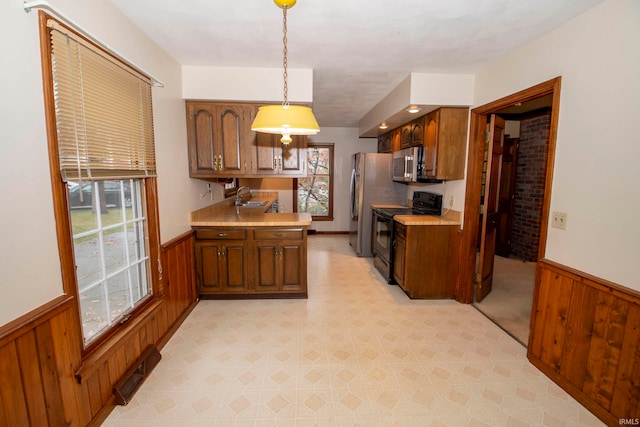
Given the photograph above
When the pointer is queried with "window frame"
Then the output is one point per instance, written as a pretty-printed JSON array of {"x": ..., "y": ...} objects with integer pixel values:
[
  {"x": 331, "y": 148},
  {"x": 61, "y": 208}
]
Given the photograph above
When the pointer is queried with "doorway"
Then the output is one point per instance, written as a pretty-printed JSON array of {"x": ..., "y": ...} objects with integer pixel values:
[
  {"x": 520, "y": 188},
  {"x": 529, "y": 101}
]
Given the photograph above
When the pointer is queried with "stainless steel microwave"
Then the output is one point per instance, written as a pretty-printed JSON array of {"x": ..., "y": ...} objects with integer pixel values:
[{"x": 406, "y": 164}]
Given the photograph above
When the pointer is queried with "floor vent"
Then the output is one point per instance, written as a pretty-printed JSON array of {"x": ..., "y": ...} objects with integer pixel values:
[{"x": 134, "y": 377}]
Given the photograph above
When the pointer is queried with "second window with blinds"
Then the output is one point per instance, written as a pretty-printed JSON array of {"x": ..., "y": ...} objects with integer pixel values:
[{"x": 314, "y": 193}]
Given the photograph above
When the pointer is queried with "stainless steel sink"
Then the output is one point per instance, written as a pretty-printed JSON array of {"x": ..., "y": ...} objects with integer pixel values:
[{"x": 254, "y": 203}]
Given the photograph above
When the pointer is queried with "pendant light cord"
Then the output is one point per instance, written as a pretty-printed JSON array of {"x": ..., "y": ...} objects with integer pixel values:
[{"x": 284, "y": 62}]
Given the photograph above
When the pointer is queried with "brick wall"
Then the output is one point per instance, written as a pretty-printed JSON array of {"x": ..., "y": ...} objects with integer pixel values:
[{"x": 530, "y": 180}]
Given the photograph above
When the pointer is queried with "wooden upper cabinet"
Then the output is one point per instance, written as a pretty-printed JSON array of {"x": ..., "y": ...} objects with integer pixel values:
[
  {"x": 396, "y": 135},
  {"x": 431, "y": 123},
  {"x": 219, "y": 136},
  {"x": 406, "y": 135},
  {"x": 417, "y": 132},
  {"x": 445, "y": 142},
  {"x": 390, "y": 141},
  {"x": 409, "y": 135},
  {"x": 384, "y": 143},
  {"x": 271, "y": 157},
  {"x": 221, "y": 144}
]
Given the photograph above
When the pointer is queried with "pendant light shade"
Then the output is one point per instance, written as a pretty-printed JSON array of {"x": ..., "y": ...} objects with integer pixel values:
[{"x": 285, "y": 119}]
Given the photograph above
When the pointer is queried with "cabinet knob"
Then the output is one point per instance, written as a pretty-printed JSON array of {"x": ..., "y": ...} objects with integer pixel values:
[
  {"x": 222, "y": 234},
  {"x": 278, "y": 234}
]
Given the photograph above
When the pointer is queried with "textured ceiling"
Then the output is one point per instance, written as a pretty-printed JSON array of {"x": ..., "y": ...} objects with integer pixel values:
[{"x": 359, "y": 50}]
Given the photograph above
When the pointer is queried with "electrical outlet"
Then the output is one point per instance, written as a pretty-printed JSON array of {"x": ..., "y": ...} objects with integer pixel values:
[
  {"x": 559, "y": 220},
  {"x": 452, "y": 201}
]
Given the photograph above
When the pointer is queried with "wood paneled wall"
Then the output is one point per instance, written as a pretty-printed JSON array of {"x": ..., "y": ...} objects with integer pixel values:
[
  {"x": 585, "y": 335},
  {"x": 45, "y": 382}
]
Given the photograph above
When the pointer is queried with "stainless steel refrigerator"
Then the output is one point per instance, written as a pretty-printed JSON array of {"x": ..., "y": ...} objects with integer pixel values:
[{"x": 371, "y": 183}]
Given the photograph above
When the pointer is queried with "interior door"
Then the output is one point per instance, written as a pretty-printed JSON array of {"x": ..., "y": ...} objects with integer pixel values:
[
  {"x": 495, "y": 142},
  {"x": 507, "y": 196}
]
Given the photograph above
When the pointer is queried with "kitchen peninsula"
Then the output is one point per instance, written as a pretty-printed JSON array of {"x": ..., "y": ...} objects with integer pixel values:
[{"x": 248, "y": 252}]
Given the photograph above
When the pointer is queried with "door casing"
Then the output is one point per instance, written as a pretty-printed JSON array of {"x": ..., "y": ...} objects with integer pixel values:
[{"x": 478, "y": 122}]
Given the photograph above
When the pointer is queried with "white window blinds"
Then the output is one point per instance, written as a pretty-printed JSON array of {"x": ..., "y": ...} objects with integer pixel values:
[{"x": 103, "y": 112}]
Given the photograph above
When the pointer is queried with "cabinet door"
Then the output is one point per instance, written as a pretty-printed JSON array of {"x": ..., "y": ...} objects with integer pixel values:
[
  {"x": 384, "y": 143},
  {"x": 234, "y": 277},
  {"x": 231, "y": 120},
  {"x": 451, "y": 142},
  {"x": 221, "y": 267},
  {"x": 274, "y": 158},
  {"x": 406, "y": 136},
  {"x": 208, "y": 268},
  {"x": 280, "y": 266},
  {"x": 218, "y": 136},
  {"x": 399, "y": 248},
  {"x": 431, "y": 124},
  {"x": 417, "y": 132},
  {"x": 266, "y": 156},
  {"x": 294, "y": 156},
  {"x": 202, "y": 137},
  {"x": 266, "y": 259},
  {"x": 293, "y": 266},
  {"x": 396, "y": 136}
]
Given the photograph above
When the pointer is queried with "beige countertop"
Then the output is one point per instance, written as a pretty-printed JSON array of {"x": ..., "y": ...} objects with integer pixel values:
[
  {"x": 449, "y": 218},
  {"x": 226, "y": 214},
  {"x": 383, "y": 206}
]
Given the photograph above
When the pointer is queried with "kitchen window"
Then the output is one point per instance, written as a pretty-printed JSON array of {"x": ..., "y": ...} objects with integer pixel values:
[
  {"x": 102, "y": 161},
  {"x": 314, "y": 193}
]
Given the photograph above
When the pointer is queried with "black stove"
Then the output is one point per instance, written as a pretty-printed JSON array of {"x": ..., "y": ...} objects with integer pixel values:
[
  {"x": 384, "y": 229},
  {"x": 424, "y": 203}
]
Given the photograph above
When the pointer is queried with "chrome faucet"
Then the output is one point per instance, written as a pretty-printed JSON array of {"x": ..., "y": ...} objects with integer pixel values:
[{"x": 239, "y": 197}]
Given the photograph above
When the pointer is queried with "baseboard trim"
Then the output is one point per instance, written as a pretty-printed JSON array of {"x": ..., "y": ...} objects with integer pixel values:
[{"x": 312, "y": 232}]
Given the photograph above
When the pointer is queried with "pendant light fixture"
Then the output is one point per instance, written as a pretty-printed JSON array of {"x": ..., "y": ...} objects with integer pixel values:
[{"x": 285, "y": 119}]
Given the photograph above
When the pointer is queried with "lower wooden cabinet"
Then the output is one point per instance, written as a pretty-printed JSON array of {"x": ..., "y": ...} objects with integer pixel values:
[
  {"x": 423, "y": 260},
  {"x": 255, "y": 261},
  {"x": 279, "y": 254}
]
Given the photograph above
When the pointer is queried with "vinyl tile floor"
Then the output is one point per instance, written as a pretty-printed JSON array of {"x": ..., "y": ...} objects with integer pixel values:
[{"x": 357, "y": 352}]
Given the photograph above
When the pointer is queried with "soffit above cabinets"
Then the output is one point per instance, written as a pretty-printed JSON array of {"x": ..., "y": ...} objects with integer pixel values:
[{"x": 427, "y": 92}]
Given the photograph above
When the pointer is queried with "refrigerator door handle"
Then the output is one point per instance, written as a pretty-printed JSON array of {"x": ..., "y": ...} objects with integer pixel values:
[{"x": 351, "y": 192}]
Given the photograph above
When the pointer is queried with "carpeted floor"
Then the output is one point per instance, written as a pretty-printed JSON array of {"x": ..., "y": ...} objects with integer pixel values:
[{"x": 509, "y": 303}]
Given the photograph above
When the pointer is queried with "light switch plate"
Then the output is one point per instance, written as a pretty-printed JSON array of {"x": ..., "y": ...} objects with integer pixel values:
[{"x": 559, "y": 220}]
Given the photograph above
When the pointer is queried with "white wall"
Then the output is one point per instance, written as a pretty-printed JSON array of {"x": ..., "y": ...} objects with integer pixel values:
[
  {"x": 246, "y": 84},
  {"x": 29, "y": 261},
  {"x": 596, "y": 171},
  {"x": 346, "y": 142}
]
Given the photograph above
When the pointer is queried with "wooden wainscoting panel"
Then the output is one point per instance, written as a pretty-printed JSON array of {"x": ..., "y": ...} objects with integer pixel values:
[
  {"x": 12, "y": 393},
  {"x": 27, "y": 351},
  {"x": 604, "y": 354},
  {"x": 43, "y": 378},
  {"x": 579, "y": 332},
  {"x": 626, "y": 395},
  {"x": 36, "y": 369},
  {"x": 49, "y": 374},
  {"x": 585, "y": 335}
]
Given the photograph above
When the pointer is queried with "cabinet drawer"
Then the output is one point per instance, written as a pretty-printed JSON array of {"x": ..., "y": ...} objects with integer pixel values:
[
  {"x": 220, "y": 234},
  {"x": 278, "y": 234}
]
